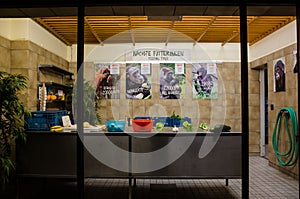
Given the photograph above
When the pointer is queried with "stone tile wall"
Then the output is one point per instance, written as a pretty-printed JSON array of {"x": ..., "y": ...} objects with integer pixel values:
[
  {"x": 4, "y": 54},
  {"x": 25, "y": 57},
  {"x": 280, "y": 100},
  {"x": 224, "y": 109}
]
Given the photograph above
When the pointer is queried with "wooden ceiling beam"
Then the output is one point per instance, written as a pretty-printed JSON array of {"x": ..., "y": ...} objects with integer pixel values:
[
  {"x": 49, "y": 28},
  {"x": 237, "y": 32},
  {"x": 131, "y": 31},
  {"x": 206, "y": 29},
  {"x": 169, "y": 33},
  {"x": 93, "y": 31},
  {"x": 261, "y": 36}
]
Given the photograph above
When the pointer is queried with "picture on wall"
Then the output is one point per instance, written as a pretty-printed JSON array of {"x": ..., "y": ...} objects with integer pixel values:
[
  {"x": 172, "y": 80},
  {"x": 296, "y": 67},
  {"x": 107, "y": 80},
  {"x": 205, "y": 81},
  {"x": 138, "y": 81},
  {"x": 279, "y": 74}
]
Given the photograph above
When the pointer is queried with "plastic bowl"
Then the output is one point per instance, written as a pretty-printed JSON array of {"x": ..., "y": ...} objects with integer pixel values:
[
  {"x": 142, "y": 125},
  {"x": 115, "y": 125}
]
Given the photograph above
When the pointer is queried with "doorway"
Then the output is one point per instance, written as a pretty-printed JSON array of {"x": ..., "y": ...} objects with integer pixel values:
[{"x": 264, "y": 135}]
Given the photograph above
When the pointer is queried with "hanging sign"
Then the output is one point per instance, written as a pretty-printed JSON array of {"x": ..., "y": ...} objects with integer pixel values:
[{"x": 158, "y": 55}]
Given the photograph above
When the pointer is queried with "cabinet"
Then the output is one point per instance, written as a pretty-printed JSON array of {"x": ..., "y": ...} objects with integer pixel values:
[{"x": 58, "y": 85}]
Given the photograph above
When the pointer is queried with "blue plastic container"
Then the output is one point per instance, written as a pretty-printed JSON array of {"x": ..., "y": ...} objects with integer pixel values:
[
  {"x": 179, "y": 121},
  {"x": 43, "y": 120},
  {"x": 165, "y": 120},
  {"x": 115, "y": 125}
]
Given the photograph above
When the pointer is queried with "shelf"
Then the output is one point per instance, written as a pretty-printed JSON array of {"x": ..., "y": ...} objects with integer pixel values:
[
  {"x": 54, "y": 69},
  {"x": 55, "y": 85}
]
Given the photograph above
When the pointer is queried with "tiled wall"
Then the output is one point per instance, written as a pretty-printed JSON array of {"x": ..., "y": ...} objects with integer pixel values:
[
  {"x": 280, "y": 100},
  {"x": 4, "y": 54},
  {"x": 25, "y": 57},
  {"x": 224, "y": 109}
]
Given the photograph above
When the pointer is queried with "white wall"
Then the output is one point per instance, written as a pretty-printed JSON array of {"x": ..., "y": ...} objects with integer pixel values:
[
  {"x": 200, "y": 52},
  {"x": 27, "y": 29},
  {"x": 282, "y": 38}
]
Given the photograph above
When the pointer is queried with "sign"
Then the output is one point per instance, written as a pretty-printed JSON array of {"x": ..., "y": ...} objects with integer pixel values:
[
  {"x": 158, "y": 55},
  {"x": 107, "y": 80},
  {"x": 205, "y": 81}
]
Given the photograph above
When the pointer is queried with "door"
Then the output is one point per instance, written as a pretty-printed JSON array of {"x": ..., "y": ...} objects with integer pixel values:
[{"x": 264, "y": 111}]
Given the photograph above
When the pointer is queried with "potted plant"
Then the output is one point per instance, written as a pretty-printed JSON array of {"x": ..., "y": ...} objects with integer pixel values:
[{"x": 11, "y": 121}]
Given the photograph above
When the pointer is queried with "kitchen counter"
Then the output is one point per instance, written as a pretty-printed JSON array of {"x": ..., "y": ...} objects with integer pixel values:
[{"x": 48, "y": 154}]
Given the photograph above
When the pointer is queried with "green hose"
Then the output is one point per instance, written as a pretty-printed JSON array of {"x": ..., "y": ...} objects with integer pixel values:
[{"x": 292, "y": 153}]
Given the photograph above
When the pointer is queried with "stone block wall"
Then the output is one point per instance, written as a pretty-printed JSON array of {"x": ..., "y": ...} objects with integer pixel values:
[
  {"x": 226, "y": 109},
  {"x": 280, "y": 100},
  {"x": 25, "y": 57},
  {"x": 4, "y": 54}
]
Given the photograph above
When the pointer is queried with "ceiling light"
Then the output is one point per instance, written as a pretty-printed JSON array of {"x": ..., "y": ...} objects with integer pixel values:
[{"x": 164, "y": 18}]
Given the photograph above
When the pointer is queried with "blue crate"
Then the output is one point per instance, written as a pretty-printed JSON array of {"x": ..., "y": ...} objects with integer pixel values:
[
  {"x": 115, "y": 125},
  {"x": 178, "y": 122},
  {"x": 43, "y": 120},
  {"x": 165, "y": 120}
]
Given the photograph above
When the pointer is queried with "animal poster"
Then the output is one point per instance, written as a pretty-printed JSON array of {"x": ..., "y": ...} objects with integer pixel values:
[
  {"x": 138, "y": 81},
  {"x": 279, "y": 74},
  {"x": 172, "y": 80},
  {"x": 205, "y": 81},
  {"x": 296, "y": 67},
  {"x": 107, "y": 80}
]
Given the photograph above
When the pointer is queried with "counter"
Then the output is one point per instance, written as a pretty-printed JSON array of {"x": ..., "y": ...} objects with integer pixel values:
[{"x": 53, "y": 155}]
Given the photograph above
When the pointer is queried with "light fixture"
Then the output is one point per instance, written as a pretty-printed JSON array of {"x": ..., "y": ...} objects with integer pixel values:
[{"x": 164, "y": 18}]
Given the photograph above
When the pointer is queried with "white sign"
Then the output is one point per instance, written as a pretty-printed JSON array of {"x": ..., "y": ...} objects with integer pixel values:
[
  {"x": 158, "y": 55},
  {"x": 211, "y": 68},
  {"x": 115, "y": 69},
  {"x": 179, "y": 68},
  {"x": 145, "y": 69}
]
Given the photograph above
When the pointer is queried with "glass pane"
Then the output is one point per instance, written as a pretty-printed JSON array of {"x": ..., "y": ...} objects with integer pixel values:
[{"x": 272, "y": 79}]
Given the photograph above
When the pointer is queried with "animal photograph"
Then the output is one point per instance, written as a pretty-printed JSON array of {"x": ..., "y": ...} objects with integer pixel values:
[
  {"x": 138, "y": 85},
  {"x": 205, "y": 81},
  {"x": 279, "y": 75},
  {"x": 107, "y": 84},
  {"x": 172, "y": 85}
]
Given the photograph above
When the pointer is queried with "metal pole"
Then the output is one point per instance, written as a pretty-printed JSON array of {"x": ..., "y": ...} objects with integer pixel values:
[
  {"x": 298, "y": 83},
  {"x": 79, "y": 100},
  {"x": 245, "y": 102}
]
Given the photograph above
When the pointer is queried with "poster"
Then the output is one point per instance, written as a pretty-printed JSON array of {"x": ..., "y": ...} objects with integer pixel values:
[
  {"x": 296, "y": 67},
  {"x": 205, "y": 81},
  {"x": 279, "y": 74},
  {"x": 107, "y": 78},
  {"x": 138, "y": 81},
  {"x": 172, "y": 80}
]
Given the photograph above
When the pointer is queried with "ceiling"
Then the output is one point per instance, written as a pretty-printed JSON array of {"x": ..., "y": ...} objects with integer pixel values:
[
  {"x": 167, "y": 29},
  {"x": 129, "y": 24}
]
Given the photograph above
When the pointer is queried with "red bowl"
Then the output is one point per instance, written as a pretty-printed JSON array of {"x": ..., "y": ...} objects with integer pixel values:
[{"x": 142, "y": 125}]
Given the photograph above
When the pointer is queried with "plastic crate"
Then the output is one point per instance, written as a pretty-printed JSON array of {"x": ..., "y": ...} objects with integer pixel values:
[
  {"x": 43, "y": 120},
  {"x": 165, "y": 120},
  {"x": 179, "y": 121},
  {"x": 115, "y": 125},
  {"x": 142, "y": 125}
]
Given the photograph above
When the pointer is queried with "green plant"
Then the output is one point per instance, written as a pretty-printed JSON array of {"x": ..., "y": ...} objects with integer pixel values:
[
  {"x": 11, "y": 121},
  {"x": 174, "y": 116},
  {"x": 89, "y": 103}
]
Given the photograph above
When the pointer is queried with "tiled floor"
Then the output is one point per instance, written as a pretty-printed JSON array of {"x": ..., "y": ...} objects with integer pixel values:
[{"x": 265, "y": 182}]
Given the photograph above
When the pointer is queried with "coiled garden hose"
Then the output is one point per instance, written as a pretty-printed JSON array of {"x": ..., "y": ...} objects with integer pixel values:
[{"x": 291, "y": 156}]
